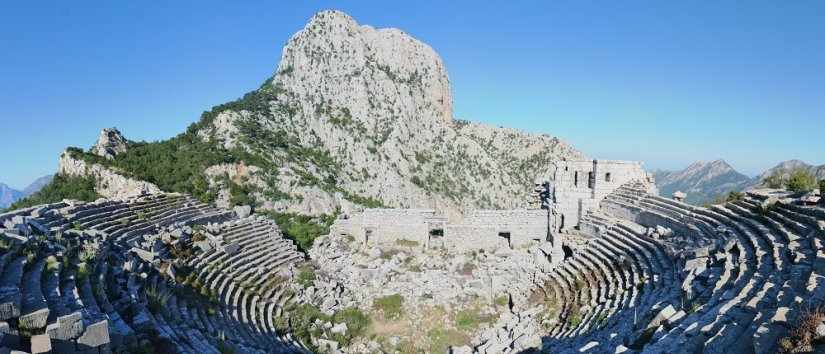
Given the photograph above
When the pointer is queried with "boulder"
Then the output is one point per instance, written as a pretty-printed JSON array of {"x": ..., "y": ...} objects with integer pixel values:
[{"x": 242, "y": 211}]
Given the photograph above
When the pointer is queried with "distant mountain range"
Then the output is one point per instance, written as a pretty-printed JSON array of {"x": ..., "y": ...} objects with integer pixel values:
[
  {"x": 10, "y": 195},
  {"x": 705, "y": 181},
  {"x": 702, "y": 181}
]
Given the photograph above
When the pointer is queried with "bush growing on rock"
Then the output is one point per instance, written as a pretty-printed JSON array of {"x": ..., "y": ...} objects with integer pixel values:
[
  {"x": 357, "y": 323},
  {"x": 801, "y": 180},
  {"x": 302, "y": 229}
]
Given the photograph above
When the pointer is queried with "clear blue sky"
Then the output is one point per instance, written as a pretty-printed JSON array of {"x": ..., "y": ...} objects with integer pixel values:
[{"x": 665, "y": 82}]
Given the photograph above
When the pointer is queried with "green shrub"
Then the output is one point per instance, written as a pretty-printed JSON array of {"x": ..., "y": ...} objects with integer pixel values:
[
  {"x": 302, "y": 229},
  {"x": 241, "y": 194},
  {"x": 822, "y": 187},
  {"x": 392, "y": 306},
  {"x": 301, "y": 320},
  {"x": 801, "y": 180},
  {"x": 357, "y": 324},
  {"x": 306, "y": 276}
]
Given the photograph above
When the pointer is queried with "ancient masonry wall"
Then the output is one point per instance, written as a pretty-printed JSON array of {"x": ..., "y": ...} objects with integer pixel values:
[
  {"x": 579, "y": 186},
  {"x": 482, "y": 229}
]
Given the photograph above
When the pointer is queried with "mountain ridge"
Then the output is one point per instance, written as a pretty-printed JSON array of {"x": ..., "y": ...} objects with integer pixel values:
[
  {"x": 704, "y": 182},
  {"x": 9, "y": 195},
  {"x": 352, "y": 116}
]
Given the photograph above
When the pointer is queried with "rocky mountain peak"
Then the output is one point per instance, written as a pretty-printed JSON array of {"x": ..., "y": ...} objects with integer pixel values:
[
  {"x": 354, "y": 115},
  {"x": 702, "y": 181},
  {"x": 110, "y": 143},
  {"x": 377, "y": 76}
]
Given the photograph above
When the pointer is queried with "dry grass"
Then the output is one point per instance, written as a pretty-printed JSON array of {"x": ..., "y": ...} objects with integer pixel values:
[{"x": 803, "y": 333}]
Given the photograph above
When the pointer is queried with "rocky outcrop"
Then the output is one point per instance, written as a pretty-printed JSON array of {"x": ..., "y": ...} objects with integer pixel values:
[
  {"x": 109, "y": 183},
  {"x": 110, "y": 143},
  {"x": 377, "y": 103}
]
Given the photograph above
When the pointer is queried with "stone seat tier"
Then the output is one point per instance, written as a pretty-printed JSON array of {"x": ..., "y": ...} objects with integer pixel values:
[
  {"x": 10, "y": 295},
  {"x": 34, "y": 312},
  {"x": 595, "y": 319}
]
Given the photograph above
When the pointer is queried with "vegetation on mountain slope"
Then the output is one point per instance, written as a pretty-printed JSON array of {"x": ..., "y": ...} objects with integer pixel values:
[{"x": 61, "y": 187}]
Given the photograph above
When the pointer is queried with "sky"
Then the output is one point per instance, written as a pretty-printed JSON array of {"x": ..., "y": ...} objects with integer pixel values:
[{"x": 663, "y": 82}]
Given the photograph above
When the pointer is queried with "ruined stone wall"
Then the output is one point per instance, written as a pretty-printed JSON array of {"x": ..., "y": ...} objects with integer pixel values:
[
  {"x": 386, "y": 226},
  {"x": 481, "y": 229},
  {"x": 523, "y": 226},
  {"x": 464, "y": 238},
  {"x": 579, "y": 186}
]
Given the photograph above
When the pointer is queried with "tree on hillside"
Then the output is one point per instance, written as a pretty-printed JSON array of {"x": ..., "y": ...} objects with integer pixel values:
[{"x": 801, "y": 180}]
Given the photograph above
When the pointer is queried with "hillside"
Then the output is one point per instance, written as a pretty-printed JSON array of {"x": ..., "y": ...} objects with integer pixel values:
[
  {"x": 352, "y": 114},
  {"x": 10, "y": 195},
  {"x": 785, "y": 168},
  {"x": 702, "y": 181}
]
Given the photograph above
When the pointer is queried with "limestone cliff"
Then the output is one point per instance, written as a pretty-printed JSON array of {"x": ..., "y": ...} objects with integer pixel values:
[
  {"x": 352, "y": 115},
  {"x": 109, "y": 183},
  {"x": 377, "y": 103}
]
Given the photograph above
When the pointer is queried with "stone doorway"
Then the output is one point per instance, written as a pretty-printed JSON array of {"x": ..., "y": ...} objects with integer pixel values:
[
  {"x": 568, "y": 252},
  {"x": 506, "y": 235}
]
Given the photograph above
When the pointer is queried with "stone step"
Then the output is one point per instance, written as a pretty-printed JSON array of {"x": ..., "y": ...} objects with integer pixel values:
[
  {"x": 34, "y": 312},
  {"x": 10, "y": 295}
]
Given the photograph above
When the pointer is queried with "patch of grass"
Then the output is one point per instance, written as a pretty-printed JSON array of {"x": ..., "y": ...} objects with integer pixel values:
[
  {"x": 157, "y": 297},
  {"x": 442, "y": 339},
  {"x": 803, "y": 331},
  {"x": 392, "y": 306},
  {"x": 306, "y": 276},
  {"x": 357, "y": 323},
  {"x": 502, "y": 300},
  {"x": 470, "y": 319},
  {"x": 406, "y": 243},
  {"x": 301, "y": 320}
]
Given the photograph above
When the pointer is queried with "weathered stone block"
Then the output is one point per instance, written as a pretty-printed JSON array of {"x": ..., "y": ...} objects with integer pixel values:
[
  {"x": 95, "y": 335},
  {"x": 41, "y": 343}
]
